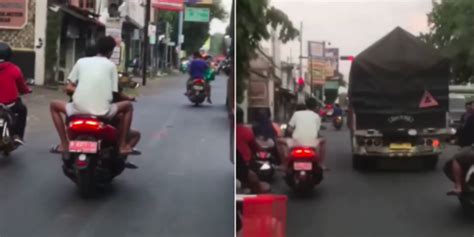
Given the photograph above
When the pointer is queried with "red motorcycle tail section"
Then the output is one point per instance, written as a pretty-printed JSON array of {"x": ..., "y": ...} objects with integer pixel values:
[{"x": 92, "y": 126}]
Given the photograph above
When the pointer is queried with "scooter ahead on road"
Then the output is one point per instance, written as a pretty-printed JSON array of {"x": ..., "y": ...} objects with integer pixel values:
[
  {"x": 337, "y": 122},
  {"x": 94, "y": 158},
  {"x": 197, "y": 92},
  {"x": 7, "y": 120},
  {"x": 263, "y": 162},
  {"x": 304, "y": 169}
]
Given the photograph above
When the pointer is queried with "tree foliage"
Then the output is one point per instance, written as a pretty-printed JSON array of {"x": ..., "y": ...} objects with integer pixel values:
[
  {"x": 254, "y": 21},
  {"x": 452, "y": 31},
  {"x": 195, "y": 33}
]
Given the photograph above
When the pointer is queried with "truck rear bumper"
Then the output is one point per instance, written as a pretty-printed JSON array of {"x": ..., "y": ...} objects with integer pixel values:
[{"x": 391, "y": 153}]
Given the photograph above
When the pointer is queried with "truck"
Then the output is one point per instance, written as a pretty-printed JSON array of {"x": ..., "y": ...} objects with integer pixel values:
[{"x": 398, "y": 101}]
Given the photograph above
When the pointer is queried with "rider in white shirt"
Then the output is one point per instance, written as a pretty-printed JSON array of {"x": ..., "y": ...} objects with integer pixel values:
[{"x": 306, "y": 124}]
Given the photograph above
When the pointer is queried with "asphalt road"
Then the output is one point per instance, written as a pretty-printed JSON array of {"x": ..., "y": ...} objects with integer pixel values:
[
  {"x": 183, "y": 187},
  {"x": 391, "y": 202}
]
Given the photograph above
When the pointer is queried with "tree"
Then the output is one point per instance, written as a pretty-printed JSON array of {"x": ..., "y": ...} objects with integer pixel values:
[
  {"x": 253, "y": 22},
  {"x": 451, "y": 30},
  {"x": 195, "y": 33}
]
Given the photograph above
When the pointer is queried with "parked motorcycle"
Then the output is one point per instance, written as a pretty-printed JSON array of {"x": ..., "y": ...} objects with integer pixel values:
[
  {"x": 94, "y": 158},
  {"x": 337, "y": 122},
  {"x": 7, "y": 118},
  {"x": 197, "y": 93}
]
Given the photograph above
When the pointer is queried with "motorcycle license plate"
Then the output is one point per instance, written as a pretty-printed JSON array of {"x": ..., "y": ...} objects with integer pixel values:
[
  {"x": 198, "y": 88},
  {"x": 83, "y": 147},
  {"x": 302, "y": 166}
]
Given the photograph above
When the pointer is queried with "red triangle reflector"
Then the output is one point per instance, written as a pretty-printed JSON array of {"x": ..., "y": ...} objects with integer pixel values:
[{"x": 428, "y": 101}]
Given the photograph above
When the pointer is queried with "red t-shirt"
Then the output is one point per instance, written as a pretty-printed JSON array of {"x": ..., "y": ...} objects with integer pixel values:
[
  {"x": 12, "y": 83},
  {"x": 245, "y": 142}
]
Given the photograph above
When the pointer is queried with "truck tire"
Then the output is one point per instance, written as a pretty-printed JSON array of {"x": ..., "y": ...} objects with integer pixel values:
[
  {"x": 359, "y": 163},
  {"x": 430, "y": 163}
]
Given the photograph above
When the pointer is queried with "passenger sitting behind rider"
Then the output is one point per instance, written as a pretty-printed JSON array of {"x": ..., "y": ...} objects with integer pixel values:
[
  {"x": 197, "y": 70},
  {"x": 457, "y": 168},
  {"x": 94, "y": 81}
]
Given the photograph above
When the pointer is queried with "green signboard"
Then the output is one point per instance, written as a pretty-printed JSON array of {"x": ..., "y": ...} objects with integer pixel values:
[{"x": 194, "y": 14}]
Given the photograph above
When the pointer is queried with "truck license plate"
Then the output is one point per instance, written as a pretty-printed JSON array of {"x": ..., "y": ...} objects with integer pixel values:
[
  {"x": 303, "y": 166},
  {"x": 400, "y": 146},
  {"x": 83, "y": 147}
]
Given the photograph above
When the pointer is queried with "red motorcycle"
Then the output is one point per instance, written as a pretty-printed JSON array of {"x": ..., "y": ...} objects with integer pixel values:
[
  {"x": 94, "y": 158},
  {"x": 304, "y": 167}
]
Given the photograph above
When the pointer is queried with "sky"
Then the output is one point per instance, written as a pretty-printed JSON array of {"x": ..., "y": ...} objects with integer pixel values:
[
  {"x": 218, "y": 26},
  {"x": 350, "y": 25}
]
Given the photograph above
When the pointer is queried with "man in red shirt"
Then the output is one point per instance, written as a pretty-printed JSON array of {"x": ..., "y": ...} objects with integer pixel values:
[{"x": 12, "y": 85}]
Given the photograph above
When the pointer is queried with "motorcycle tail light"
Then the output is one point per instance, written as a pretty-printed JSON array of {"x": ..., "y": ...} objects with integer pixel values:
[
  {"x": 199, "y": 81},
  {"x": 303, "y": 153},
  {"x": 436, "y": 143},
  {"x": 86, "y": 125}
]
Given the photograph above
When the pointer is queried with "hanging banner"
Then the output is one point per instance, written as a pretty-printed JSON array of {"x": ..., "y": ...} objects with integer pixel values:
[
  {"x": 113, "y": 27},
  {"x": 13, "y": 14}
]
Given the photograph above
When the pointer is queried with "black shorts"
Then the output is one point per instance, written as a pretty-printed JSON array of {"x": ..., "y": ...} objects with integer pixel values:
[{"x": 242, "y": 170}]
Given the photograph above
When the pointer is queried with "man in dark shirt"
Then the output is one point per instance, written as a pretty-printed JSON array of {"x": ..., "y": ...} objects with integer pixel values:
[
  {"x": 465, "y": 133},
  {"x": 197, "y": 70},
  {"x": 12, "y": 85}
]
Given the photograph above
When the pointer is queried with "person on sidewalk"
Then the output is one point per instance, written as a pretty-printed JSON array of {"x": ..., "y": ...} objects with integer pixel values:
[
  {"x": 197, "y": 70},
  {"x": 12, "y": 86},
  {"x": 93, "y": 82}
]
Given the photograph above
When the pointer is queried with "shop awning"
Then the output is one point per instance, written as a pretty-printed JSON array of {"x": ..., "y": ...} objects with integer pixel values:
[
  {"x": 79, "y": 15},
  {"x": 169, "y": 5}
]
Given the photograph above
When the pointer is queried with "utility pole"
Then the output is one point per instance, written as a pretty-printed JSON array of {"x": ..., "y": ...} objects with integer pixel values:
[
  {"x": 180, "y": 33},
  {"x": 301, "y": 49},
  {"x": 147, "y": 42},
  {"x": 300, "y": 95}
]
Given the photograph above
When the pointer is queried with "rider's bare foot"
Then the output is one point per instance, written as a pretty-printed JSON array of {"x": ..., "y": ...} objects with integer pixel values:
[{"x": 126, "y": 150}]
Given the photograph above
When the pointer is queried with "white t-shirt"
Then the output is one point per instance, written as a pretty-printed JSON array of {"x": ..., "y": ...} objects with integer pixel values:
[
  {"x": 96, "y": 79},
  {"x": 306, "y": 126}
]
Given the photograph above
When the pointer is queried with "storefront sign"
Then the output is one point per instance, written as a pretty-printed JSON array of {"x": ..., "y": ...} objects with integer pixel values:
[
  {"x": 317, "y": 71},
  {"x": 13, "y": 14},
  {"x": 332, "y": 56},
  {"x": 193, "y": 14},
  {"x": 316, "y": 49},
  {"x": 203, "y": 2},
  {"x": 168, "y": 5}
]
